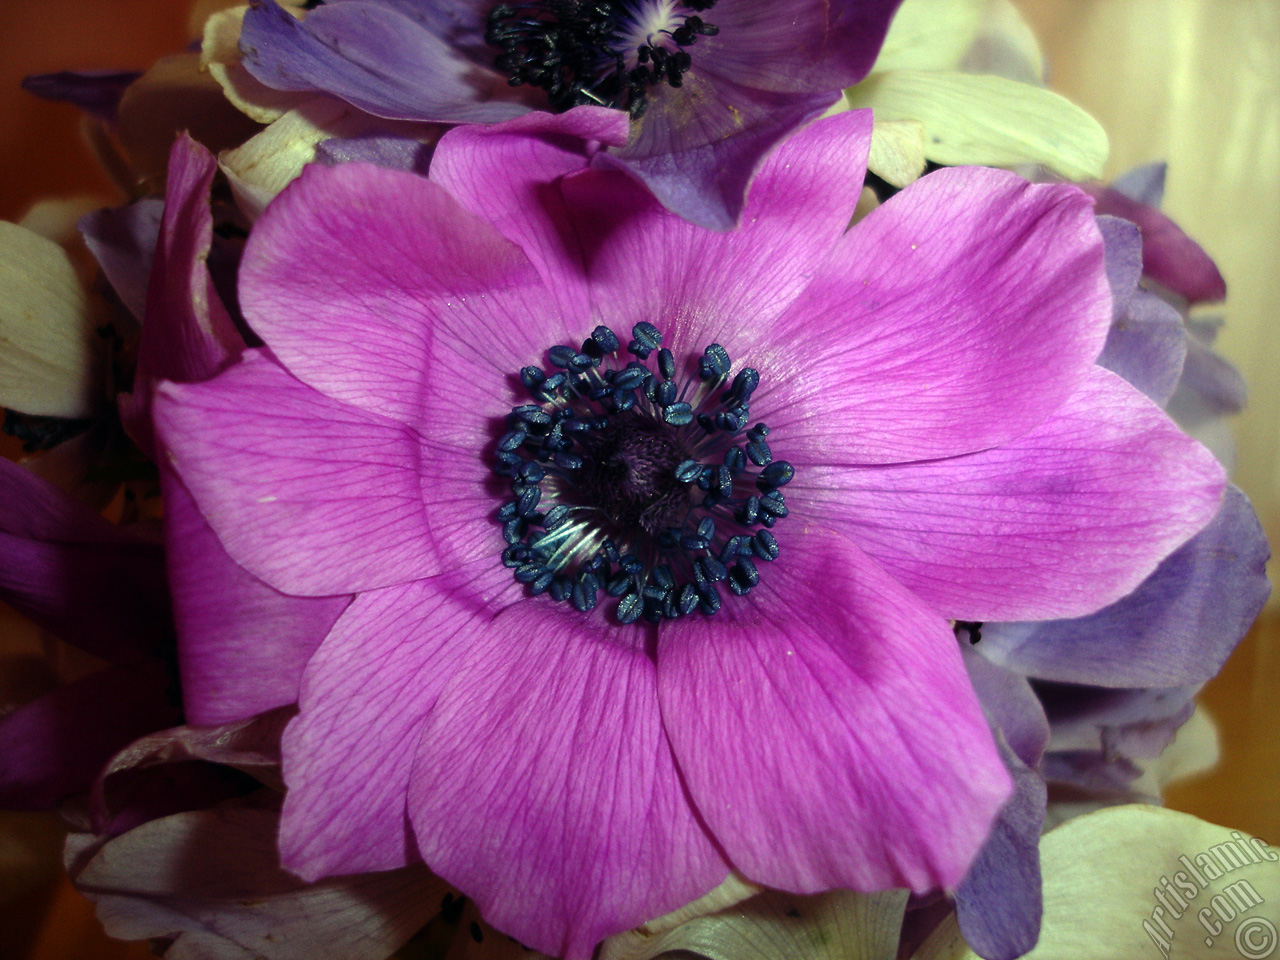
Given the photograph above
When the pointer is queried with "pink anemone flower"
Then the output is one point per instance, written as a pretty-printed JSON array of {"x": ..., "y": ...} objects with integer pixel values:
[{"x": 654, "y": 532}]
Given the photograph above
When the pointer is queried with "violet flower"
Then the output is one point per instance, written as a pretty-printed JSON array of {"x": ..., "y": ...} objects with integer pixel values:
[
  {"x": 1119, "y": 682},
  {"x": 711, "y": 85},
  {"x": 750, "y": 663}
]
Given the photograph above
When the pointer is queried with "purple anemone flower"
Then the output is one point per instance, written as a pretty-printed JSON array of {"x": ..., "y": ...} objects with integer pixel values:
[
  {"x": 711, "y": 85},
  {"x": 654, "y": 531}
]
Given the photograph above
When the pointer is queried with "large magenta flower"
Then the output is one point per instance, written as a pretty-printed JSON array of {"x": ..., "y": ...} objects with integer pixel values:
[{"x": 749, "y": 665}]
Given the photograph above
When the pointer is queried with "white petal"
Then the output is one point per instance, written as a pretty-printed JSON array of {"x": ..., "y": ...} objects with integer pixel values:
[
  {"x": 268, "y": 162},
  {"x": 990, "y": 121},
  {"x": 48, "y": 347},
  {"x": 831, "y": 926},
  {"x": 930, "y": 35},
  {"x": 897, "y": 151},
  {"x": 1005, "y": 45},
  {"x": 1136, "y": 881}
]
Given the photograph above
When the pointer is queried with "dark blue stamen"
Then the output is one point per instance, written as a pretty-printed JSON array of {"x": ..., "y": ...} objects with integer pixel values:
[
  {"x": 585, "y": 51},
  {"x": 620, "y": 490}
]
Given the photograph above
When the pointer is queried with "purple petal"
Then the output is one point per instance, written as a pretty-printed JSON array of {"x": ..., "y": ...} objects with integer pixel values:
[
  {"x": 828, "y": 733},
  {"x": 1122, "y": 242},
  {"x": 123, "y": 241},
  {"x": 242, "y": 645},
  {"x": 384, "y": 150},
  {"x": 556, "y": 805},
  {"x": 998, "y": 904},
  {"x": 1213, "y": 381},
  {"x": 82, "y": 579},
  {"x": 96, "y": 92},
  {"x": 188, "y": 334},
  {"x": 955, "y": 317},
  {"x": 349, "y": 754},
  {"x": 1010, "y": 704},
  {"x": 1178, "y": 627},
  {"x": 1133, "y": 724},
  {"x": 54, "y": 747},
  {"x": 817, "y": 45},
  {"x": 1095, "y": 772},
  {"x": 698, "y": 147},
  {"x": 647, "y": 265},
  {"x": 378, "y": 289},
  {"x": 1144, "y": 185},
  {"x": 1147, "y": 346},
  {"x": 239, "y": 903},
  {"x": 1169, "y": 256},
  {"x": 376, "y": 58},
  {"x": 1060, "y": 522}
]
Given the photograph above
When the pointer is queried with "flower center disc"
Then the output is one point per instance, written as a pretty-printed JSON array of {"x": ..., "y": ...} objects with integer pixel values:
[
  {"x": 627, "y": 482},
  {"x": 604, "y": 52}
]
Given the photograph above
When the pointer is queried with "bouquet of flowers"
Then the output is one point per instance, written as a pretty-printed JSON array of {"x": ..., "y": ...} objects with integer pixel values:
[{"x": 622, "y": 478}]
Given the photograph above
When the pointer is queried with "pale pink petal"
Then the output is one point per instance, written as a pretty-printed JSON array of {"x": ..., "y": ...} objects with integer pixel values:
[
  {"x": 311, "y": 495},
  {"x": 556, "y": 805},
  {"x": 698, "y": 286},
  {"x": 366, "y": 692},
  {"x": 955, "y": 317},
  {"x": 1057, "y": 523},
  {"x": 357, "y": 276},
  {"x": 209, "y": 884},
  {"x": 827, "y": 731}
]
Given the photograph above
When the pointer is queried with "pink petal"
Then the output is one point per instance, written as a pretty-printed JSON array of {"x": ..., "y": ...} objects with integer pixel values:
[
  {"x": 699, "y": 286},
  {"x": 366, "y": 692},
  {"x": 357, "y": 275},
  {"x": 955, "y": 317},
  {"x": 545, "y": 787},
  {"x": 242, "y": 645},
  {"x": 188, "y": 334},
  {"x": 1057, "y": 523},
  {"x": 311, "y": 495},
  {"x": 1169, "y": 256},
  {"x": 506, "y": 172},
  {"x": 827, "y": 731}
]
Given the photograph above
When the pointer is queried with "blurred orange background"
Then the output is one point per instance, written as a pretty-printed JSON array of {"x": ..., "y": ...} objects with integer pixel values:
[{"x": 1196, "y": 82}]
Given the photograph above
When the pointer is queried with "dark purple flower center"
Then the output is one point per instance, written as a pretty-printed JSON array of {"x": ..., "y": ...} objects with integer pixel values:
[
  {"x": 628, "y": 482},
  {"x": 603, "y": 52}
]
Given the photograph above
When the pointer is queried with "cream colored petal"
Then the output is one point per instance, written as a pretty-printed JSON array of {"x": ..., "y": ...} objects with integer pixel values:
[
  {"x": 175, "y": 95},
  {"x": 48, "y": 347},
  {"x": 988, "y": 120},
  {"x": 1194, "y": 750},
  {"x": 832, "y": 926},
  {"x": 267, "y": 163},
  {"x": 930, "y": 35},
  {"x": 1133, "y": 882},
  {"x": 897, "y": 151},
  {"x": 220, "y": 56}
]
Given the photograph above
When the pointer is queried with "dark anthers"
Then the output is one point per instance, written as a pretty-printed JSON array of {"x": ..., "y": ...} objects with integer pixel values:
[
  {"x": 578, "y": 51},
  {"x": 626, "y": 482}
]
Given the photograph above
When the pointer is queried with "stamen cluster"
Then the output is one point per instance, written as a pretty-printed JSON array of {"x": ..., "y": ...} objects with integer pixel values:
[
  {"x": 587, "y": 52},
  {"x": 627, "y": 483}
]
